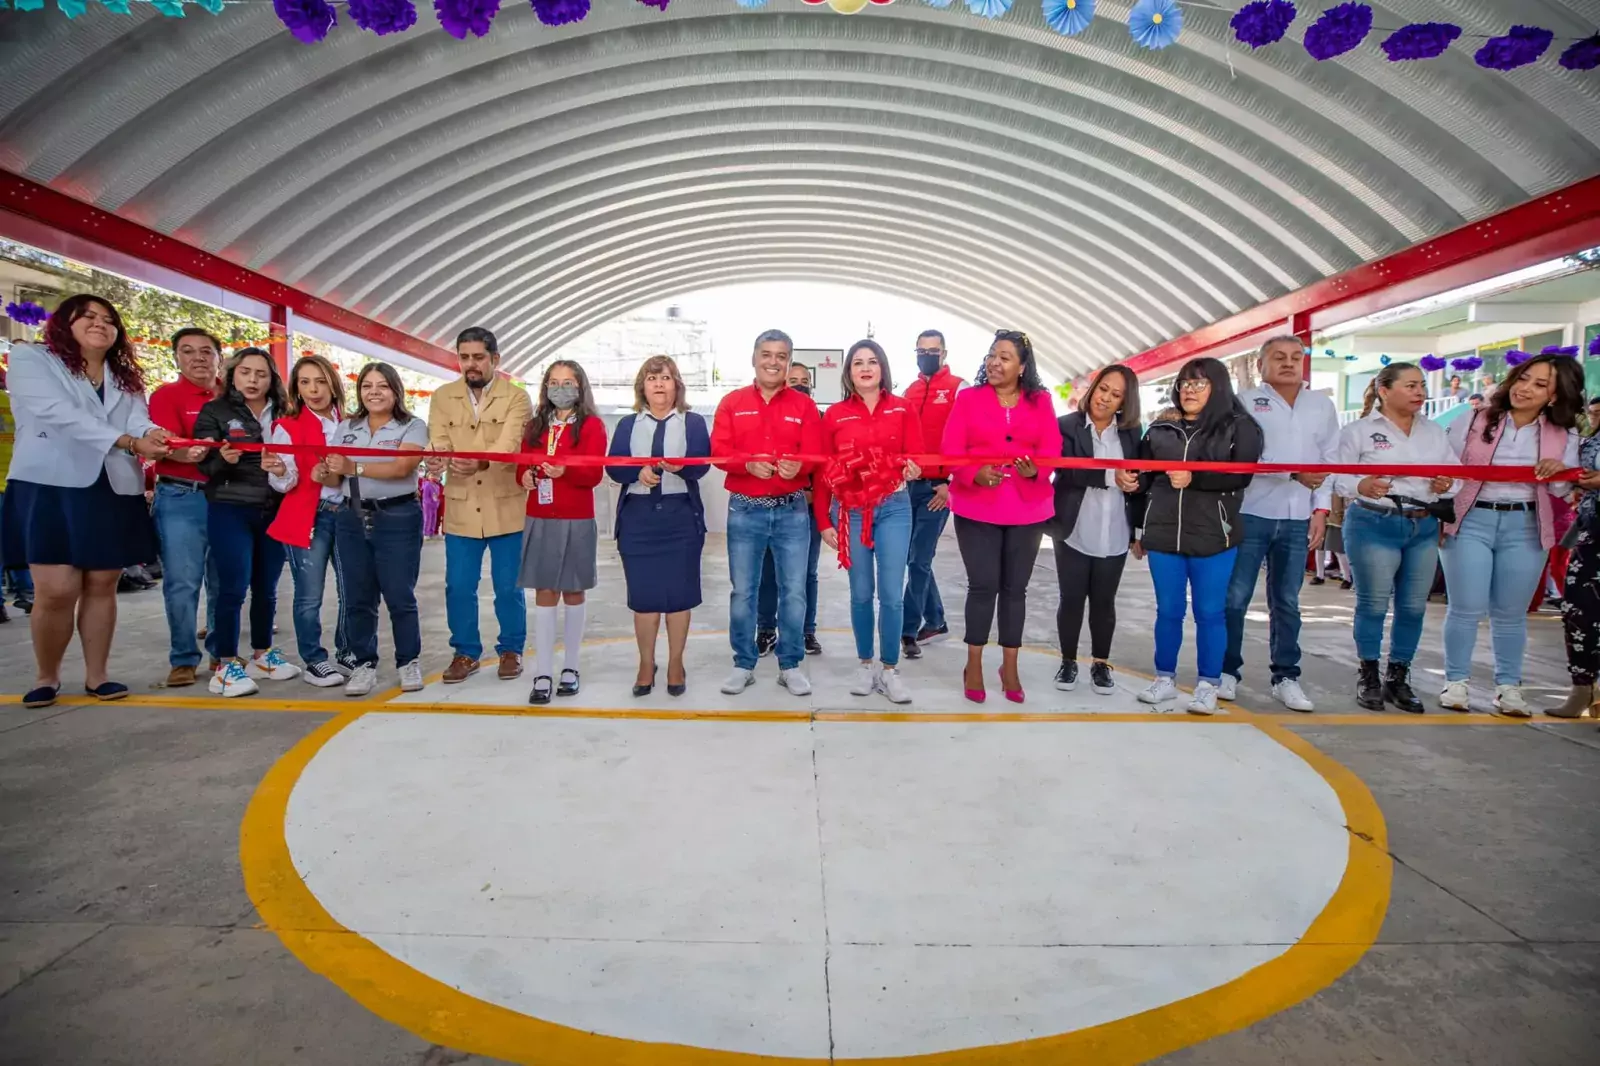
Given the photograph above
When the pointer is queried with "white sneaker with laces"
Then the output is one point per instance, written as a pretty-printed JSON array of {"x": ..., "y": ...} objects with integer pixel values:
[
  {"x": 363, "y": 679},
  {"x": 232, "y": 680},
  {"x": 1454, "y": 697},
  {"x": 1508, "y": 701},
  {"x": 322, "y": 674},
  {"x": 1228, "y": 688},
  {"x": 1204, "y": 700},
  {"x": 411, "y": 677},
  {"x": 738, "y": 681},
  {"x": 891, "y": 685},
  {"x": 1159, "y": 691},
  {"x": 1289, "y": 693},
  {"x": 270, "y": 665},
  {"x": 795, "y": 681},
  {"x": 866, "y": 680}
]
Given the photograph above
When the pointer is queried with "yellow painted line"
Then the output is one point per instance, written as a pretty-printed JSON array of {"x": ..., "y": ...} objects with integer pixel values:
[
  {"x": 436, "y": 1012},
  {"x": 933, "y": 717}
]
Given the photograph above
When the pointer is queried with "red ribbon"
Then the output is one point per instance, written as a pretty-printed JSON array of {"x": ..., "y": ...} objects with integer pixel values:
[{"x": 860, "y": 479}]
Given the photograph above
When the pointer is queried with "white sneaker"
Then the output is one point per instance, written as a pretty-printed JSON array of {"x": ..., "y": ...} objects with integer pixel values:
[
  {"x": 1453, "y": 697},
  {"x": 891, "y": 685},
  {"x": 1228, "y": 688},
  {"x": 866, "y": 681},
  {"x": 411, "y": 677},
  {"x": 795, "y": 681},
  {"x": 232, "y": 680},
  {"x": 1289, "y": 693},
  {"x": 1508, "y": 701},
  {"x": 322, "y": 674},
  {"x": 1160, "y": 690},
  {"x": 738, "y": 681},
  {"x": 270, "y": 665},
  {"x": 1204, "y": 700},
  {"x": 363, "y": 679}
]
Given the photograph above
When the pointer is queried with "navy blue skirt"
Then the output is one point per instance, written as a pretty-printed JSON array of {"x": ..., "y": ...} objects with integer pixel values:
[
  {"x": 88, "y": 529},
  {"x": 661, "y": 541}
]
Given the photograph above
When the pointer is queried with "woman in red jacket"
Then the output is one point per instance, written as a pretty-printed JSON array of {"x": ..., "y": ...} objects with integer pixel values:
[{"x": 559, "y": 538}]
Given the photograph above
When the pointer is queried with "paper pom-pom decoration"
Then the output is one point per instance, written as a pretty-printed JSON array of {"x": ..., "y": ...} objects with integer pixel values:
[
  {"x": 1559, "y": 349},
  {"x": 173, "y": 9},
  {"x": 751, "y": 5},
  {"x": 1430, "y": 363},
  {"x": 939, "y": 3},
  {"x": 308, "y": 20},
  {"x": 1516, "y": 357},
  {"x": 27, "y": 312},
  {"x": 560, "y": 12},
  {"x": 662, "y": 4},
  {"x": 1339, "y": 29},
  {"x": 1594, "y": 346},
  {"x": 1384, "y": 360},
  {"x": 383, "y": 16},
  {"x": 1070, "y": 17},
  {"x": 1521, "y": 46},
  {"x": 120, "y": 7},
  {"x": 1466, "y": 362},
  {"x": 460, "y": 17},
  {"x": 989, "y": 9},
  {"x": 213, "y": 6},
  {"x": 72, "y": 8},
  {"x": 1582, "y": 55},
  {"x": 1155, "y": 23},
  {"x": 1420, "y": 40},
  {"x": 1263, "y": 22}
]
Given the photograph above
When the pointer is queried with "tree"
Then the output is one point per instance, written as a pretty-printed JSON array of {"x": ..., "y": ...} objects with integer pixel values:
[{"x": 152, "y": 316}]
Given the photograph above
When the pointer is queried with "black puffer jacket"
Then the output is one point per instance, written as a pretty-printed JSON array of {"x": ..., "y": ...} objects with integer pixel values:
[
  {"x": 244, "y": 483},
  {"x": 1202, "y": 519}
]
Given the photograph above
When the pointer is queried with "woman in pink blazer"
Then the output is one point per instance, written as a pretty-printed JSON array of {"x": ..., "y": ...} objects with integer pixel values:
[{"x": 1001, "y": 508}]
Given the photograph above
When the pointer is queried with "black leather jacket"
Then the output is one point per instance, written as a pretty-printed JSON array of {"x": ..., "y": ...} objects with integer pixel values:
[
  {"x": 1202, "y": 519},
  {"x": 244, "y": 483}
]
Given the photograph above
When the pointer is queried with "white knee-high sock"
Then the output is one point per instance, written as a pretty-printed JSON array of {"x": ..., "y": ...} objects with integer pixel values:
[
  {"x": 1344, "y": 566},
  {"x": 1321, "y": 562},
  {"x": 544, "y": 641},
  {"x": 576, "y": 612}
]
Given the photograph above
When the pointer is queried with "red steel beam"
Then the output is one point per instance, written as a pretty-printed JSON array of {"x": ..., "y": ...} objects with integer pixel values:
[
  {"x": 1542, "y": 229},
  {"x": 31, "y": 212}
]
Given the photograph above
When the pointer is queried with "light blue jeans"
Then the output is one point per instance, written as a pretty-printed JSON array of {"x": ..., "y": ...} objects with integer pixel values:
[
  {"x": 1392, "y": 556},
  {"x": 1491, "y": 567},
  {"x": 181, "y": 518},
  {"x": 309, "y": 568},
  {"x": 752, "y": 530},
  {"x": 879, "y": 573}
]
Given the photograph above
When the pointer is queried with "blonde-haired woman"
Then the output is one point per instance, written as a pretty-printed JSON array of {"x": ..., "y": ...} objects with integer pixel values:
[{"x": 661, "y": 526}]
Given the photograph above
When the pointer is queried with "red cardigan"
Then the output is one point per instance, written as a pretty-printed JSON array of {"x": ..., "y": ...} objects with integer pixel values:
[{"x": 574, "y": 490}]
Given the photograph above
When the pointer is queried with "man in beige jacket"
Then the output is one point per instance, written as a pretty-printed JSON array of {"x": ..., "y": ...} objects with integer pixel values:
[{"x": 484, "y": 506}]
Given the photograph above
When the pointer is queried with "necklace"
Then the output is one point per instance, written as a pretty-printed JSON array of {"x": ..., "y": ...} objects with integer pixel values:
[{"x": 1015, "y": 397}]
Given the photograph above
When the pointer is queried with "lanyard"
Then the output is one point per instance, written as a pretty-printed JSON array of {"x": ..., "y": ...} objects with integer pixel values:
[{"x": 553, "y": 438}]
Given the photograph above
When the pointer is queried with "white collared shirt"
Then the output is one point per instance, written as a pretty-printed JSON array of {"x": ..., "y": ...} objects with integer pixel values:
[
  {"x": 1516, "y": 447},
  {"x": 1102, "y": 526},
  {"x": 1377, "y": 442},
  {"x": 1307, "y": 432},
  {"x": 291, "y": 475},
  {"x": 674, "y": 444},
  {"x": 476, "y": 397}
]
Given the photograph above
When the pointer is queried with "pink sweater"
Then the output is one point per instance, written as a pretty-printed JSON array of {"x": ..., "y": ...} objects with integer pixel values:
[{"x": 980, "y": 426}]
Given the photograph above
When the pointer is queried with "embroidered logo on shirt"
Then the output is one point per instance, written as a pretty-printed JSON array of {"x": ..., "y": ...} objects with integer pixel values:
[
  {"x": 741, "y": 414},
  {"x": 1380, "y": 442},
  {"x": 942, "y": 396},
  {"x": 1263, "y": 404},
  {"x": 349, "y": 438}
]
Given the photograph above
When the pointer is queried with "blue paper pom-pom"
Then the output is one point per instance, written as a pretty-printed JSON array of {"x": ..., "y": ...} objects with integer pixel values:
[
  {"x": 1155, "y": 23},
  {"x": 1070, "y": 17},
  {"x": 383, "y": 16},
  {"x": 1263, "y": 22},
  {"x": 989, "y": 9},
  {"x": 560, "y": 12},
  {"x": 461, "y": 17},
  {"x": 308, "y": 20}
]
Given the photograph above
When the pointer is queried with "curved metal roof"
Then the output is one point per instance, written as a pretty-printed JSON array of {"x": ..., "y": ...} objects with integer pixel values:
[{"x": 541, "y": 180}]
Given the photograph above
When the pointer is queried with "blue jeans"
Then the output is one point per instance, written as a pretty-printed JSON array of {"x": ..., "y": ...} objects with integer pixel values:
[
  {"x": 1392, "y": 556},
  {"x": 922, "y": 605},
  {"x": 879, "y": 572},
  {"x": 309, "y": 568},
  {"x": 753, "y": 530},
  {"x": 463, "y": 567},
  {"x": 767, "y": 601},
  {"x": 1491, "y": 567},
  {"x": 182, "y": 519},
  {"x": 247, "y": 560},
  {"x": 380, "y": 552},
  {"x": 1283, "y": 543},
  {"x": 1204, "y": 579}
]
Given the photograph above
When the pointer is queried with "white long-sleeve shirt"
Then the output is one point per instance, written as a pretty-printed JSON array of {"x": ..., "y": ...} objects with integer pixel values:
[
  {"x": 1517, "y": 447},
  {"x": 291, "y": 474},
  {"x": 1377, "y": 442},
  {"x": 1102, "y": 527},
  {"x": 1306, "y": 432}
]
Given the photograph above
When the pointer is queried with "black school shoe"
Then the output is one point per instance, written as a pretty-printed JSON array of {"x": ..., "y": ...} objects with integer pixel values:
[
  {"x": 1067, "y": 676},
  {"x": 541, "y": 690},
  {"x": 568, "y": 688},
  {"x": 1100, "y": 678}
]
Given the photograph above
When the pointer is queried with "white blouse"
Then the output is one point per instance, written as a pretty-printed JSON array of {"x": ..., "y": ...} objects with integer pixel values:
[{"x": 1517, "y": 447}]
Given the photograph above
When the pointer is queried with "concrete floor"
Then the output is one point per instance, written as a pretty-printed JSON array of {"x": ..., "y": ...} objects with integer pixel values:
[{"x": 832, "y": 882}]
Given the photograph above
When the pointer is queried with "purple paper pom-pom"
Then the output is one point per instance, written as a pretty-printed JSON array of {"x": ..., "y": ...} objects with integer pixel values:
[
  {"x": 1466, "y": 362},
  {"x": 1582, "y": 55},
  {"x": 27, "y": 312},
  {"x": 308, "y": 20},
  {"x": 1420, "y": 40},
  {"x": 1559, "y": 349},
  {"x": 1516, "y": 357},
  {"x": 459, "y": 17},
  {"x": 1338, "y": 30},
  {"x": 1262, "y": 22},
  {"x": 383, "y": 16},
  {"x": 662, "y": 4},
  {"x": 1518, "y": 48},
  {"x": 560, "y": 12},
  {"x": 1431, "y": 363}
]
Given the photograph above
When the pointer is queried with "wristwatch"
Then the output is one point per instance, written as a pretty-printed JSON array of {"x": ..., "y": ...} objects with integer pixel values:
[{"x": 361, "y": 469}]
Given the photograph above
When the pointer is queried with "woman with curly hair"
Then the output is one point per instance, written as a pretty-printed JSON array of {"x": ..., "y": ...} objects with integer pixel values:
[{"x": 75, "y": 509}]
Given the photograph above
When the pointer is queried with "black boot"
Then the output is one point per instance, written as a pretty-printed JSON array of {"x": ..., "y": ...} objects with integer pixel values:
[
  {"x": 1369, "y": 688},
  {"x": 1397, "y": 688}
]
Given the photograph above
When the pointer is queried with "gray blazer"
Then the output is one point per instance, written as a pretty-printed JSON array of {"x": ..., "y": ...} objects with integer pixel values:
[{"x": 65, "y": 433}]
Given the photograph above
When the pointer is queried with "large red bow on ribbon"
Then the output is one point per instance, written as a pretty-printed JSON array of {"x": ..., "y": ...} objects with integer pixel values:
[{"x": 860, "y": 479}]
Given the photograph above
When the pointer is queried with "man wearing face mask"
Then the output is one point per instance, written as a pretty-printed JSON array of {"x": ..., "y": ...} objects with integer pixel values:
[
  {"x": 931, "y": 396},
  {"x": 767, "y": 600}
]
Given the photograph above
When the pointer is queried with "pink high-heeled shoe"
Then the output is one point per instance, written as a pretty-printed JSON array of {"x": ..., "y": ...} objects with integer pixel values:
[
  {"x": 1014, "y": 695},
  {"x": 973, "y": 695}
]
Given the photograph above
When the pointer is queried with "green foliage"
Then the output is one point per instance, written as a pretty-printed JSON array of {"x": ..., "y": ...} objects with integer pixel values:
[{"x": 152, "y": 316}]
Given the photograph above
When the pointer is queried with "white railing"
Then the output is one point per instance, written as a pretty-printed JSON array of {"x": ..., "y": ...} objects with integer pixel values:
[{"x": 1431, "y": 410}]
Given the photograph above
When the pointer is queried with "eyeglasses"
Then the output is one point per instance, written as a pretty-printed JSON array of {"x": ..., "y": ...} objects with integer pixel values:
[
  {"x": 1194, "y": 385},
  {"x": 930, "y": 351}
]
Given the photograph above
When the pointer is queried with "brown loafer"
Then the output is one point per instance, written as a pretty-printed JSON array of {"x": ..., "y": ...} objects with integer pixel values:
[
  {"x": 180, "y": 676},
  {"x": 460, "y": 668},
  {"x": 510, "y": 666}
]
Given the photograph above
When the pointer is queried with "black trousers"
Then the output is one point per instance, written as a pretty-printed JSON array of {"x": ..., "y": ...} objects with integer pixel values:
[
  {"x": 1580, "y": 608},
  {"x": 1084, "y": 577},
  {"x": 999, "y": 562}
]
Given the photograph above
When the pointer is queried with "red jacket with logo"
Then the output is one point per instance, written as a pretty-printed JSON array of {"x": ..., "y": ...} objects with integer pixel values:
[
  {"x": 933, "y": 399},
  {"x": 746, "y": 424},
  {"x": 892, "y": 426}
]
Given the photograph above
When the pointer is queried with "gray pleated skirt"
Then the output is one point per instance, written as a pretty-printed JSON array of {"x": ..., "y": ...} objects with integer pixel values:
[{"x": 559, "y": 554}]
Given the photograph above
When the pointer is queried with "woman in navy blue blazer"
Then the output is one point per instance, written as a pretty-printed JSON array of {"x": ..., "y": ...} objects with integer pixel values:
[{"x": 661, "y": 524}]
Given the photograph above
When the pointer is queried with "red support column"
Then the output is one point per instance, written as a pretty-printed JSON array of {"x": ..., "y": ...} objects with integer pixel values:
[{"x": 280, "y": 338}]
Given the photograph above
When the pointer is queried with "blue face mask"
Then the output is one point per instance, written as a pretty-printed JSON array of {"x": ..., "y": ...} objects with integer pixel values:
[{"x": 928, "y": 363}]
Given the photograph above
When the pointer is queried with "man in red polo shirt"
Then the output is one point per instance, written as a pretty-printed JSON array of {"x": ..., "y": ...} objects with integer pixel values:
[
  {"x": 932, "y": 396},
  {"x": 180, "y": 502},
  {"x": 767, "y": 507}
]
